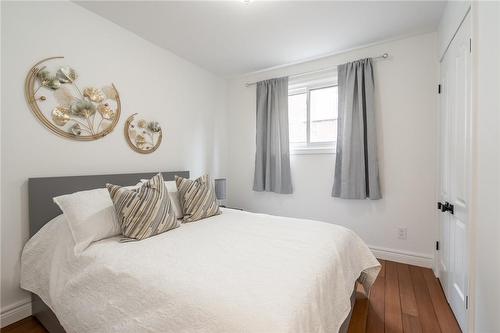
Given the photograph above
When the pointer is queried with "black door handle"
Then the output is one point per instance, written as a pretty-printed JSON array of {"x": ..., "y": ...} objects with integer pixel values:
[
  {"x": 449, "y": 207},
  {"x": 446, "y": 207}
]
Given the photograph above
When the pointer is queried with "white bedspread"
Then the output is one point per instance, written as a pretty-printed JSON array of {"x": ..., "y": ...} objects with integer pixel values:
[{"x": 236, "y": 272}]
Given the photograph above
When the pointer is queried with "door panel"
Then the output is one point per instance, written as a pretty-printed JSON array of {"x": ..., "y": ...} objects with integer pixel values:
[
  {"x": 460, "y": 171},
  {"x": 455, "y": 170},
  {"x": 461, "y": 106},
  {"x": 444, "y": 249},
  {"x": 444, "y": 152}
]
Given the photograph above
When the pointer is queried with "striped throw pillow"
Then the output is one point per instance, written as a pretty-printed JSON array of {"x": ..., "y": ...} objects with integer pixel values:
[
  {"x": 144, "y": 211},
  {"x": 197, "y": 198}
]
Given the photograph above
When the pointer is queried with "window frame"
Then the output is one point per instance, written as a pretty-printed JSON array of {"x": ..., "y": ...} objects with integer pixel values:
[{"x": 309, "y": 147}]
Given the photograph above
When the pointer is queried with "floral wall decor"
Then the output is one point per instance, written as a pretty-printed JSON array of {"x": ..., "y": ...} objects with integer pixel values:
[
  {"x": 79, "y": 113},
  {"x": 142, "y": 136}
]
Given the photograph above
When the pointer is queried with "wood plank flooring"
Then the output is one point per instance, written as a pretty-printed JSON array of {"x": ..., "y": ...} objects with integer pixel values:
[
  {"x": 27, "y": 325},
  {"x": 404, "y": 298}
]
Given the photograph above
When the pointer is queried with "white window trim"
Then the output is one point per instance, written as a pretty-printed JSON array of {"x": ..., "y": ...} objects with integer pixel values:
[{"x": 311, "y": 148}]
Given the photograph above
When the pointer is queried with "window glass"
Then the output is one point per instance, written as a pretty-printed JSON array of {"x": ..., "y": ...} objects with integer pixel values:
[
  {"x": 297, "y": 118},
  {"x": 323, "y": 114},
  {"x": 312, "y": 114}
]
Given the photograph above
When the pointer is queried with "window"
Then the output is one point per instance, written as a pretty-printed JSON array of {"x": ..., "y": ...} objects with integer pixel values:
[{"x": 312, "y": 117}]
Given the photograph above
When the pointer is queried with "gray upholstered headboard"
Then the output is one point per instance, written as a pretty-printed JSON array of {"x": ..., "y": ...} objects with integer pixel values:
[{"x": 41, "y": 191}]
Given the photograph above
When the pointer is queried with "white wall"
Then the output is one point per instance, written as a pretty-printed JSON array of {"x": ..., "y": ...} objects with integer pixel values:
[
  {"x": 406, "y": 107},
  {"x": 486, "y": 210},
  {"x": 187, "y": 101}
]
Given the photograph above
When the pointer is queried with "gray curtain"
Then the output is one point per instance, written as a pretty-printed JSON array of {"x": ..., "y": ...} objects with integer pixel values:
[
  {"x": 356, "y": 165},
  {"x": 272, "y": 156}
]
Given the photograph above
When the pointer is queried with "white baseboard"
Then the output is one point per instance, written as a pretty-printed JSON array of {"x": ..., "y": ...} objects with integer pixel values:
[
  {"x": 411, "y": 258},
  {"x": 15, "y": 312}
]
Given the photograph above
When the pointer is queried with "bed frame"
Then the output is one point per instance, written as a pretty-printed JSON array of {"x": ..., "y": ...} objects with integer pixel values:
[{"x": 42, "y": 209}]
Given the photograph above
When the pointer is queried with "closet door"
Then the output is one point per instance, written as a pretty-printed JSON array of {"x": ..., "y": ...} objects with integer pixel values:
[
  {"x": 444, "y": 173},
  {"x": 455, "y": 171}
]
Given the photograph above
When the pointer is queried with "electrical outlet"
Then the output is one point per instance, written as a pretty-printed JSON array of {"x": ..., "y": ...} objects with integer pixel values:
[{"x": 402, "y": 233}]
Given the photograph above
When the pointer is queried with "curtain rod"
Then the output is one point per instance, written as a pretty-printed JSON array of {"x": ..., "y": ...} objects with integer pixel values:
[{"x": 383, "y": 56}]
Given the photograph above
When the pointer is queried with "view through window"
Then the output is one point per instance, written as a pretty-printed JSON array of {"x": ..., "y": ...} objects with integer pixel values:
[{"x": 312, "y": 116}]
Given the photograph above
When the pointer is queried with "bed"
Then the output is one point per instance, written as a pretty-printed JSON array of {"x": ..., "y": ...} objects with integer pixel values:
[{"x": 234, "y": 272}]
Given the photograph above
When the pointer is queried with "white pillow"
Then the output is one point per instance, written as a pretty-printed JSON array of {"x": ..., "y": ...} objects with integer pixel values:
[
  {"x": 171, "y": 185},
  {"x": 90, "y": 215},
  {"x": 174, "y": 197}
]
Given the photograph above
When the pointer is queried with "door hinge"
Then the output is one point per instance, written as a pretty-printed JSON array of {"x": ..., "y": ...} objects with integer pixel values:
[
  {"x": 466, "y": 302},
  {"x": 470, "y": 45},
  {"x": 437, "y": 245},
  {"x": 439, "y": 88}
]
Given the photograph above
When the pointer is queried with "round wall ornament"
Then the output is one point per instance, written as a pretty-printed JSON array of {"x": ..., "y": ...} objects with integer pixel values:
[
  {"x": 56, "y": 99},
  {"x": 142, "y": 136}
]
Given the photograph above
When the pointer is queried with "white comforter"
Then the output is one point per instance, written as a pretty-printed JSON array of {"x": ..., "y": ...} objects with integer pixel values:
[{"x": 236, "y": 272}]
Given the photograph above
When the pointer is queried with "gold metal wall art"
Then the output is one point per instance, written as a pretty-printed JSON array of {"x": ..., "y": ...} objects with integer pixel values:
[
  {"x": 64, "y": 108},
  {"x": 142, "y": 136}
]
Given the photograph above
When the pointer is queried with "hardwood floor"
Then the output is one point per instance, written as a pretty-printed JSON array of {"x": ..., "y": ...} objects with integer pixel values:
[
  {"x": 27, "y": 325},
  {"x": 404, "y": 298}
]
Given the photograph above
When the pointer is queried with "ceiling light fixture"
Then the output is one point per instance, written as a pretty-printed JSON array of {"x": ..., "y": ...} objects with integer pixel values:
[{"x": 246, "y": 2}]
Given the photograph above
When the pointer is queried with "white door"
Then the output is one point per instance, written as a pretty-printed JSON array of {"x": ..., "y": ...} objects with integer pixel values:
[
  {"x": 455, "y": 171},
  {"x": 444, "y": 172}
]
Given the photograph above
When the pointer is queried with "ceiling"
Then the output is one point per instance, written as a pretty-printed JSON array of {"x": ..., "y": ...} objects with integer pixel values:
[{"x": 230, "y": 38}]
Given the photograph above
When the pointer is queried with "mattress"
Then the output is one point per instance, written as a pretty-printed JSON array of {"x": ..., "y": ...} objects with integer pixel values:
[{"x": 235, "y": 272}]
